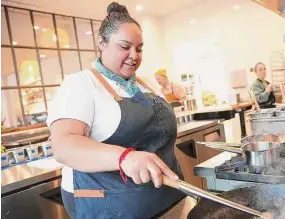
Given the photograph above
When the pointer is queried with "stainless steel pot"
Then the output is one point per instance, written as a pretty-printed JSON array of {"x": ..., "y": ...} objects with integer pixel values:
[
  {"x": 256, "y": 154},
  {"x": 268, "y": 125},
  {"x": 262, "y": 154}
]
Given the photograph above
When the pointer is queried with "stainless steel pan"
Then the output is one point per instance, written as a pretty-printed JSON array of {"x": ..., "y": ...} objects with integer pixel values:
[{"x": 257, "y": 154}]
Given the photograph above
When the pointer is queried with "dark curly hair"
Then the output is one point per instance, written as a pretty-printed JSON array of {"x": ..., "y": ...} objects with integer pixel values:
[{"x": 117, "y": 15}]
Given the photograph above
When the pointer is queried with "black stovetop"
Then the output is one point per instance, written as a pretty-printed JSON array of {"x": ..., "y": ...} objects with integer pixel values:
[{"x": 236, "y": 169}]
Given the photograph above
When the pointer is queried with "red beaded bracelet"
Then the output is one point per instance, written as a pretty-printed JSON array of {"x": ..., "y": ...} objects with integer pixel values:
[{"x": 122, "y": 157}]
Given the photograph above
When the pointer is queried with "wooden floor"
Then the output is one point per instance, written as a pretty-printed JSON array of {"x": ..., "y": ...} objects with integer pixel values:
[{"x": 181, "y": 210}]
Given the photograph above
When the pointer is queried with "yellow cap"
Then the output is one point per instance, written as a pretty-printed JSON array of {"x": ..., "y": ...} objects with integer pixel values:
[{"x": 161, "y": 72}]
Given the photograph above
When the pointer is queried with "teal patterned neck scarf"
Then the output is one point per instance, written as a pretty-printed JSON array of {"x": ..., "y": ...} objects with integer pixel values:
[{"x": 128, "y": 85}]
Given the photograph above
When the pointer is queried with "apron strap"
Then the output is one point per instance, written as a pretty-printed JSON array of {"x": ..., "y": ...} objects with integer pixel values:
[
  {"x": 145, "y": 85},
  {"x": 106, "y": 85},
  {"x": 111, "y": 90}
]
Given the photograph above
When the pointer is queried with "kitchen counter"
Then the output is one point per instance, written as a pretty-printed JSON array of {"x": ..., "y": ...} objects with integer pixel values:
[
  {"x": 23, "y": 175},
  {"x": 181, "y": 210},
  {"x": 207, "y": 170},
  {"x": 195, "y": 126},
  {"x": 241, "y": 105}
]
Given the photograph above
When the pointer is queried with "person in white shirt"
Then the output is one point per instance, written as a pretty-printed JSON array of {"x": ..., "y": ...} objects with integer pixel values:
[{"x": 113, "y": 133}]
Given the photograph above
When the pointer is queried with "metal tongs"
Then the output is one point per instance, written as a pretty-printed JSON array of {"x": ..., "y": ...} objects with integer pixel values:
[{"x": 193, "y": 190}]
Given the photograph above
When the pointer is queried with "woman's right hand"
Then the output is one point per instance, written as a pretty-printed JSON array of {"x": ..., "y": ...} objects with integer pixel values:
[
  {"x": 144, "y": 167},
  {"x": 269, "y": 88}
]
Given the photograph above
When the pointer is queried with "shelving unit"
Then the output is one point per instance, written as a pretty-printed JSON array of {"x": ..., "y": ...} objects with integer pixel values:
[{"x": 277, "y": 64}]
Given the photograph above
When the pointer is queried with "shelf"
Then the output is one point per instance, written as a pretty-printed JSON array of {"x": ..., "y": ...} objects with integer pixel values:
[
  {"x": 281, "y": 69},
  {"x": 25, "y": 95},
  {"x": 33, "y": 82},
  {"x": 40, "y": 102}
]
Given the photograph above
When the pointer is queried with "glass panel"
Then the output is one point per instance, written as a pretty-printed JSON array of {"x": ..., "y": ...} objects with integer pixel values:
[
  {"x": 70, "y": 61},
  {"x": 50, "y": 67},
  {"x": 8, "y": 75},
  {"x": 21, "y": 25},
  {"x": 87, "y": 59},
  {"x": 29, "y": 73},
  {"x": 4, "y": 29},
  {"x": 84, "y": 33},
  {"x": 66, "y": 32},
  {"x": 33, "y": 100},
  {"x": 50, "y": 93},
  {"x": 44, "y": 30},
  {"x": 96, "y": 26},
  {"x": 11, "y": 114}
]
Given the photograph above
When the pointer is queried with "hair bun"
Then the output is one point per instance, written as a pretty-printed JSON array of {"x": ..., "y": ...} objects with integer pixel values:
[{"x": 115, "y": 7}]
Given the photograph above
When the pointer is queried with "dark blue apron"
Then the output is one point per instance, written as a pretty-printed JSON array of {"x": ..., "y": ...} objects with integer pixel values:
[{"x": 147, "y": 123}]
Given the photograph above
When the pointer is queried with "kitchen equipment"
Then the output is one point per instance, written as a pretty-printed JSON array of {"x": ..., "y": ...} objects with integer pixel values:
[
  {"x": 261, "y": 137},
  {"x": 25, "y": 141},
  {"x": 268, "y": 121},
  {"x": 32, "y": 152},
  {"x": 258, "y": 154},
  {"x": 267, "y": 137},
  {"x": 236, "y": 170},
  {"x": 219, "y": 144},
  {"x": 16, "y": 156},
  {"x": 11, "y": 144},
  {"x": 267, "y": 197},
  {"x": 184, "y": 117},
  {"x": 255, "y": 101},
  {"x": 4, "y": 160},
  {"x": 265, "y": 125},
  {"x": 192, "y": 190},
  {"x": 190, "y": 104},
  {"x": 45, "y": 149}
]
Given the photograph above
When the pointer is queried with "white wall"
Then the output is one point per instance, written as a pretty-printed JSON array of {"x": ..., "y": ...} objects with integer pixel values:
[
  {"x": 153, "y": 49},
  {"x": 241, "y": 37}
]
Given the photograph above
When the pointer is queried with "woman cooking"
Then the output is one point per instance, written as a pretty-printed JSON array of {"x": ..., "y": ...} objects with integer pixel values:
[
  {"x": 174, "y": 93},
  {"x": 262, "y": 89},
  {"x": 115, "y": 136}
]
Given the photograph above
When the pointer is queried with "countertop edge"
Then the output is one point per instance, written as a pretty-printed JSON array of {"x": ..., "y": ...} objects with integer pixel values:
[{"x": 209, "y": 123}]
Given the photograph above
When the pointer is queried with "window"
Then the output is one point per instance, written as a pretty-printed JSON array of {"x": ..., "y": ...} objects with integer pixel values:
[{"x": 41, "y": 49}]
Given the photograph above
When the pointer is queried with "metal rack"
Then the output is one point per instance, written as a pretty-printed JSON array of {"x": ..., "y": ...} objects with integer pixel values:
[{"x": 277, "y": 64}]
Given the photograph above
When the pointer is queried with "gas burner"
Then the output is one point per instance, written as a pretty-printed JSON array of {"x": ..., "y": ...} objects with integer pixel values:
[
  {"x": 235, "y": 163},
  {"x": 236, "y": 169},
  {"x": 255, "y": 170}
]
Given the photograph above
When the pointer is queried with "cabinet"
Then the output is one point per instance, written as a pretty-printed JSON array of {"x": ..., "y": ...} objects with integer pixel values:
[{"x": 190, "y": 154}]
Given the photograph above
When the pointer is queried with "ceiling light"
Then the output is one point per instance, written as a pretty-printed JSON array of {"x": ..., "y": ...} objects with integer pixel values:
[
  {"x": 193, "y": 21},
  {"x": 36, "y": 27},
  {"x": 139, "y": 8},
  {"x": 236, "y": 7},
  {"x": 88, "y": 32},
  {"x": 66, "y": 46},
  {"x": 42, "y": 55},
  {"x": 15, "y": 43}
]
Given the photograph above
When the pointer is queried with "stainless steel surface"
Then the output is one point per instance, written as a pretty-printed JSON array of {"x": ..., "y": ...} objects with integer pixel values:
[
  {"x": 262, "y": 154},
  {"x": 219, "y": 144},
  {"x": 190, "y": 104},
  {"x": 14, "y": 136},
  {"x": 41, "y": 201},
  {"x": 256, "y": 154},
  {"x": 16, "y": 156},
  {"x": 10, "y": 144},
  {"x": 32, "y": 152},
  {"x": 268, "y": 125},
  {"x": 4, "y": 160},
  {"x": 260, "y": 137},
  {"x": 195, "y": 126},
  {"x": 192, "y": 190},
  {"x": 23, "y": 175}
]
